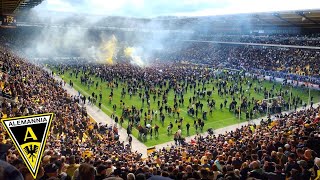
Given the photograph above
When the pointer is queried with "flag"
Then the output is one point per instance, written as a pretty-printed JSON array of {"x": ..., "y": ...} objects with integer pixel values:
[{"x": 29, "y": 135}]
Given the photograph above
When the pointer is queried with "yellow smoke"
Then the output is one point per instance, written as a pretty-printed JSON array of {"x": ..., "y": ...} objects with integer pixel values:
[
  {"x": 108, "y": 49},
  {"x": 128, "y": 51},
  {"x": 135, "y": 57}
]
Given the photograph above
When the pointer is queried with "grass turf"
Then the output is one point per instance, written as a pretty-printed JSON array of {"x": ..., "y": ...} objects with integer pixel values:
[{"x": 219, "y": 118}]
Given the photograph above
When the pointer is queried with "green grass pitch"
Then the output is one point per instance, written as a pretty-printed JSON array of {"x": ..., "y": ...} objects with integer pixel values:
[{"x": 219, "y": 118}]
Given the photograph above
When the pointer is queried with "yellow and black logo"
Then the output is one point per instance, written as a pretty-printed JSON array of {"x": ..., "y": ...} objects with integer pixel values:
[{"x": 29, "y": 134}]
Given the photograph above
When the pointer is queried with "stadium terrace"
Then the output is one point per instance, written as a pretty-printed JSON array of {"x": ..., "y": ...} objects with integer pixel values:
[{"x": 207, "y": 98}]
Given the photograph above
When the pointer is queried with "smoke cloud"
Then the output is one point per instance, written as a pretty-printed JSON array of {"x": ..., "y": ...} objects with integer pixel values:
[
  {"x": 85, "y": 28},
  {"x": 100, "y": 38}
]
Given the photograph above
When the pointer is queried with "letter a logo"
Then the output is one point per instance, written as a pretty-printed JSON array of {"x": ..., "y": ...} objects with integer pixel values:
[{"x": 29, "y": 134}]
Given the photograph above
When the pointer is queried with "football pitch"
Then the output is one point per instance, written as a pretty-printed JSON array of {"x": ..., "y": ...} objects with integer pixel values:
[{"x": 219, "y": 118}]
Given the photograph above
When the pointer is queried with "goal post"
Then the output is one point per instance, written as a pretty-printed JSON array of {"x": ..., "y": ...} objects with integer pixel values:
[{"x": 278, "y": 98}]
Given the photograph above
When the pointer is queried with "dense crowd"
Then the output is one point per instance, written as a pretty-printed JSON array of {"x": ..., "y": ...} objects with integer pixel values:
[
  {"x": 282, "y": 39},
  {"x": 298, "y": 64},
  {"x": 79, "y": 148},
  {"x": 295, "y": 61},
  {"x": 285, "y": 147},
  {"x": 34, "y": 91},
  {"x": 153, "y": 85}
]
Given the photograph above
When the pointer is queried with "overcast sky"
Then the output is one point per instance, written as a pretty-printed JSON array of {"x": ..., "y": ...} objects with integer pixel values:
[{"x": 153, "y": 8}]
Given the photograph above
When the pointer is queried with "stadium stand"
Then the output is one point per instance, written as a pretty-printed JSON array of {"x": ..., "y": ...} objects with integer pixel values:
[
  {"x": 298, "y": 64},
  {"x": 36, "y": 92},
  {"x": 79, "y": 148},
  {"x": 286, "y": 147}
]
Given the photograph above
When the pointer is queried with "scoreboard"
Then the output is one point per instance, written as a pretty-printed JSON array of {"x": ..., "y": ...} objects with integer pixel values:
[{"x": 8, "y": 21}]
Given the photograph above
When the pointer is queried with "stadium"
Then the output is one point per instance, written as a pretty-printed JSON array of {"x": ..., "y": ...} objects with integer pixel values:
[{"x": 141, "y": 90}]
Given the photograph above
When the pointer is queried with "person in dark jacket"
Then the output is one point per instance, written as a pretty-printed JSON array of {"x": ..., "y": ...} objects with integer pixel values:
[
  {"x": 305, "y": 173},
  {"x": 277, "y": 175},
  {"x": 9, "y": 172}
]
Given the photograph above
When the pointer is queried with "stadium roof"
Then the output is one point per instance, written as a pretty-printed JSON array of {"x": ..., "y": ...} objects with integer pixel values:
[
  {"x": 11, "y": 6},
  {"x": 302, "y": 19},
  {"x": 296, "y": 18},
  {"x": 306, "y": 19}
]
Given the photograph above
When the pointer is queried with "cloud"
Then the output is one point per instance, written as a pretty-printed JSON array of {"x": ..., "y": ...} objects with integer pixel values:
[{"x": 152, "y": 8}]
